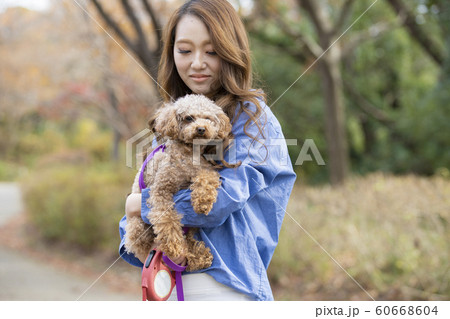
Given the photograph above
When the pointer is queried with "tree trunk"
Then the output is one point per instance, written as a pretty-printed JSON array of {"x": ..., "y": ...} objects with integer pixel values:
[
  {"x": 116, "y": 134},
  {"x": 334, "y": 115},
  {"x": 332, "y": 88}
]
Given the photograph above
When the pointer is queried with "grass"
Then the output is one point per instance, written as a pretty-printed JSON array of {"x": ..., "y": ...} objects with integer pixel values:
[
  {"x": 378, "y": 236},
  {"x": 391, "y": 234},
  {"x": 9, "y": 171},
  {"x": 78, "y": 204}
]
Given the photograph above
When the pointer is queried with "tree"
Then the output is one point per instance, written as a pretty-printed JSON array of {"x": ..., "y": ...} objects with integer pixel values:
[
  {"x": 101, "y": 82},
  {"x": 313, "y": 33},
  {"x": 431, "y": 115},
  {"x": 418, "y": 32},
  {"x": 139, "y": 45},
  {"x": 319, "y": 42}
]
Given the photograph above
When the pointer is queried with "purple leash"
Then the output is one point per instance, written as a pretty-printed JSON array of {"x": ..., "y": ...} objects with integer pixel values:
[
  {"x": 149, "y": 157},
  {"x": 178, "y": 281},
  {"x": 177, "y": 268}
]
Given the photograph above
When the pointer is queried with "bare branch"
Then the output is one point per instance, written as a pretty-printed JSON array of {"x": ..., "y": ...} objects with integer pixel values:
[
  {"x": 418, "y": 32},
  {"x": 312, "y": 48},
  {"x": 113, "y": 25},
  {"x": 140, "y": 48},
  {"x": 134, "y": 20},
  {"x": 366, "y": 106},
  {"x": 310, "y": 45},
  {"x": 343, "y": 16},
  {"x": 375, "y": 31},
  {"x": 155, "y": 22},
  {"x": 276, "y": 42},
  {"x": 319, "y": 17}
]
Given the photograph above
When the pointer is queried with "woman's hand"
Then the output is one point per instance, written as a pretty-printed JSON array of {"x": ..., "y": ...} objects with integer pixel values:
[
  {"x": 181, "y": 260},
  {"x": 133, "y": 205}
]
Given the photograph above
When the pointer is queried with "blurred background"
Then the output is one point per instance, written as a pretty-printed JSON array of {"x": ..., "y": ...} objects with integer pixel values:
[{"x": 368, "y": 81}]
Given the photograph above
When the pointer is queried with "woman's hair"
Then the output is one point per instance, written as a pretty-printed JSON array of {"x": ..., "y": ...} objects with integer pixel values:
[{"x": 230, "y": 42}]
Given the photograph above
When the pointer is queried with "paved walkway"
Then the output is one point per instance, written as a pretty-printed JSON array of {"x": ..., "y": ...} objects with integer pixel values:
[{"x": 23, "y": 278}]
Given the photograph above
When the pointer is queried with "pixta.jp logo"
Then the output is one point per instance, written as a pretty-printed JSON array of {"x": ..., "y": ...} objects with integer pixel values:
[{"x": 137, "y": 147}]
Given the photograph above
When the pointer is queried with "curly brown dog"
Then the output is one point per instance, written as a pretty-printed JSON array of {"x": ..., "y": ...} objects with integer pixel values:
[{"x": 184, "y": 122}]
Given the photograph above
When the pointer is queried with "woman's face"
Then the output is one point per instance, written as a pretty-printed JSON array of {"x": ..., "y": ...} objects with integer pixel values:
[{"x": 195, "y": 59}]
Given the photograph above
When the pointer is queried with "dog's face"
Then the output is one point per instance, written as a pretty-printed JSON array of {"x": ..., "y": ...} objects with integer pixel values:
[{"x": 192, "y": 117}]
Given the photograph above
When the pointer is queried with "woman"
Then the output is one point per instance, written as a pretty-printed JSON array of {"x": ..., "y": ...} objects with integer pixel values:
[{"x": 206, "y": 52}]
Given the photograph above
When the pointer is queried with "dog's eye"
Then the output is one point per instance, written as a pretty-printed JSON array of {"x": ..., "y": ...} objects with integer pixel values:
[{"x": 189, "y": 119}]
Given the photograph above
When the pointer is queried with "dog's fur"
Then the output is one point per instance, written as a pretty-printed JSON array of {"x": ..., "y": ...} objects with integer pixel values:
[{"x": 191, "y": 117}]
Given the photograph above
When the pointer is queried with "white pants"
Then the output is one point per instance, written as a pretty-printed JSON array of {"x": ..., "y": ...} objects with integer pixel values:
[{"x": 203, "y": 287}]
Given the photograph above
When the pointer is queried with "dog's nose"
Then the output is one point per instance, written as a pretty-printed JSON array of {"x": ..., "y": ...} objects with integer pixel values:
[{"x": 201, "y": 130}]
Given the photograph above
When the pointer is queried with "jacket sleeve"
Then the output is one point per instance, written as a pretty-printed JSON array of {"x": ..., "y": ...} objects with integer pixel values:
[
  {"x": 261, "y": 164},
  {"x": 129, "y": 258},
  {"x": 237, "y": 187}
]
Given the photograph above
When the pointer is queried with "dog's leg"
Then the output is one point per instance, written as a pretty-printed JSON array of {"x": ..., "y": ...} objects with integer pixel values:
[
  {"x": 204, "y": 190},
  {"x": 199, "y": 256},
  {"x": 165, "y": 219},
  {"x": 139, "y": 237}
]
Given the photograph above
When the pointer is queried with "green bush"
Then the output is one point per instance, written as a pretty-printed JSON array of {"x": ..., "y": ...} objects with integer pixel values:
[
  {"x": 9, "y": 171},
  {"x": 88, "y": 135},
  {"x": 389, "y": 233},
  {"x": 78, "y": 204}
]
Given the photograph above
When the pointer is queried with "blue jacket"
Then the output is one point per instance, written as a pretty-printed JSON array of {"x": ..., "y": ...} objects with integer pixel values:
[{"x": 243, "y": 226}]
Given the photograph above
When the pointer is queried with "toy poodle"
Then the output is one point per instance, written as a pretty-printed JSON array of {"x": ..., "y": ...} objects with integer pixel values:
[{"x": 184, "y": 163}]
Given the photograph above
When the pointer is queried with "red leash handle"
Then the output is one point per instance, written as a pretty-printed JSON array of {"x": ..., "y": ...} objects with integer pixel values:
[{"x": 157, "y": 279}]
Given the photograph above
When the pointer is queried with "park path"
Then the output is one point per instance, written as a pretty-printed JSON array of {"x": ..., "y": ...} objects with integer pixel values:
[{"x": 25, "y": 278}]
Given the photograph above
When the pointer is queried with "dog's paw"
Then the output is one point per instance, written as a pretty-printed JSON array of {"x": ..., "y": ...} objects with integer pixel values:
[
  {"x": 199, "y": 256},
  {"x": 204, "y": 191},
  {"x": 174, "y": 250},
  {"x": 202, "y": 202},
  {"x": 199, "y": 260},
  {"x": 173, "y": 245},
  {"x": 202, "y": 208}
]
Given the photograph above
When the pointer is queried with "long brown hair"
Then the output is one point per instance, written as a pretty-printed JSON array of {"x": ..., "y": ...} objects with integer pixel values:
[{"x": 230, "y": 42}]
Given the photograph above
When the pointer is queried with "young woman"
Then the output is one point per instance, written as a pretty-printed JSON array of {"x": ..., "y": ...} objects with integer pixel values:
[{"x": 206, "y": 52}]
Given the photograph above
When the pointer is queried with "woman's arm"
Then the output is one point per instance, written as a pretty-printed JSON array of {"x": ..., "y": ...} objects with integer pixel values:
[
  {"x": 238, "y": 185},
  {"x": 128, "y": 257},
  {"x": 262, "y": 163}
]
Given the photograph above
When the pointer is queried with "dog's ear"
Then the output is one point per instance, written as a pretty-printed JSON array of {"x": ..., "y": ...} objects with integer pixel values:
[
  {"x": 225, "y": 126},
  {"x": 152, "y": 122},
  {"x": 165, "y": 121}
]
